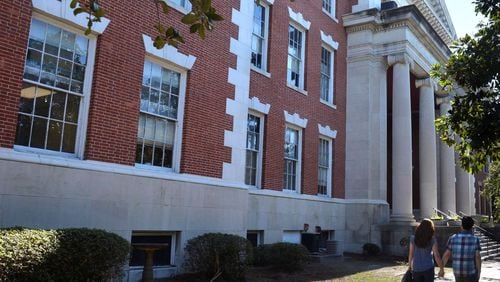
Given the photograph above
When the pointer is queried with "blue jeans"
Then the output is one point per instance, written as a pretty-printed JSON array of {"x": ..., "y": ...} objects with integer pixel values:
[{"x": 424, "y": 276}]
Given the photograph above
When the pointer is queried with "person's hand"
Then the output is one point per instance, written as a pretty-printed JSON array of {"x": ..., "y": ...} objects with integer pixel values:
[{"x": 441, "y": 273}]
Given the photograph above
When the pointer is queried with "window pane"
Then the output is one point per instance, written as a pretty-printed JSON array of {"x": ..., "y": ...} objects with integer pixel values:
[
  {"x": 38, "y": 133},
  {"x": 23, "y": 130},
  {"x": 27, "y": 98},
  {"x": 146, "y": 77},
  {"x": 155, "y": 76},
  {"x": 69, "y": 138},
  {"x": 50, "y": 60},
  {"x": 57, "y": 107},
  {"x": 144, "y": 98},
  {"x": 54, "y": 136},
  {"x": 73, "y": 108},
  {"x": 37, "y": 34}
]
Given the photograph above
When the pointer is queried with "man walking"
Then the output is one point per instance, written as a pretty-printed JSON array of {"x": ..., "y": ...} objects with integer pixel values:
[{"x": 464, "y": 249}]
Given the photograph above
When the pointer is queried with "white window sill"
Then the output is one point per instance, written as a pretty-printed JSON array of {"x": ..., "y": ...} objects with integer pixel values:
[
  {"x": 331, "y": 16},
  {"x": 260, "y": 71},
  {"x": 301, "y": 91},
  {"x": 153, "y": 168},
  {"x": 324, "y": 196},
  {"x": 294, "y": 192},
  {"x": 177, "y": 7},
  {"x": 333, "y": 106},
  {"x": 42, "y": 152}
]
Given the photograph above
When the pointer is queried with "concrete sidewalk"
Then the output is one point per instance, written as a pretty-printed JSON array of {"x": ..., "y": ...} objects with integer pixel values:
[{"x": 490, "y": 271}]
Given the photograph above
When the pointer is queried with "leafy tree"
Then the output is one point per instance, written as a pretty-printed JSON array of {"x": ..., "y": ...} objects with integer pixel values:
[
  {"x": 200, "y": 19},
  {"x": 473, "y": 124},
  {"x": 492, "y": 187}
]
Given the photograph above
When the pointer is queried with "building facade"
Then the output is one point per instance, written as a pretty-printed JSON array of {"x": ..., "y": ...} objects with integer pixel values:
[{"x": 289, "y": 118}]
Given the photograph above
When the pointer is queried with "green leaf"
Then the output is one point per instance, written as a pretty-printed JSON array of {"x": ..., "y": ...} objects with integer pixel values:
[
  {"x": 206, "y": 4},
  {"x": 194, "y": 28},
  {"x": 73, "y": 3},
  {"x": 78, "y": 11},
  {"x": 189, "y": 19},
  {"x": 165, "y": 8}
]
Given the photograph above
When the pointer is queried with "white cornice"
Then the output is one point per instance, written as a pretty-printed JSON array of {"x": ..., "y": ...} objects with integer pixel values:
[
  {"x": 168, "y": 53},
  {"x": 295, "y": 119},
  {"x": 62, "y": 10},
  {"x": 299, "y": 19},
  {"x": 327, "y": 131},
  {"x": 255, "y": 104},
  {"x": 328, "y": 40}
]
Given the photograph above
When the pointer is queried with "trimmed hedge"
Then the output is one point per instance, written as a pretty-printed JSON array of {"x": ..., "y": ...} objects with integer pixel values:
[
  {"x": 78, "y": 254},
  {"x": 218, "y": 256},
  {"x": 371, "y": 249},
  {"x": 282, "y": 256}
]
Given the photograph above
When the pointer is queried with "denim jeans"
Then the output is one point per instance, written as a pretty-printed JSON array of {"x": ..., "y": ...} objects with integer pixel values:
[
  {"x": 424, "y": 276},
  {"x": 468, "y": 278}
]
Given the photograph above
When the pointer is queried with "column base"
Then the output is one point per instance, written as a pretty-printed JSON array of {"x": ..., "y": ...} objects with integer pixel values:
[{"x": 402, "y": 218}]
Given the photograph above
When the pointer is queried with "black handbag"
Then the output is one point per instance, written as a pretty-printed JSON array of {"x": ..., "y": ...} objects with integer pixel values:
[{"x": 408, "y": 277}]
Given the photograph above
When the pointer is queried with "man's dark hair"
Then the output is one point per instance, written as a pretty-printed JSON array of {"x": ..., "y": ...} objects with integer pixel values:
[{"x": 467, "y": 222}]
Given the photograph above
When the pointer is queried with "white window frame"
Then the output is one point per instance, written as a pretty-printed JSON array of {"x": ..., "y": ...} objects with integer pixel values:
[
  {"x": 265, "y": 40},
  {"x": 331, "y": 82},
  {"x": 81, "y": 133},
  {"x": 158, "y": 233},
  {"x": 302, "y": 58},
  {"x": 299, "y": 159},
  {"x": 260, "y": 153},
  {"x": 176, "y": 152},
  {"x": 330, "y": 162},
  {"x": 333, "y": 13},
  {"x": 185, "y": 9}
]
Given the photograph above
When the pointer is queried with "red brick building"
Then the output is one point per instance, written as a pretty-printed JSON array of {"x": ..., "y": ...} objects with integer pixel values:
[{"x": 243, "y": 132}]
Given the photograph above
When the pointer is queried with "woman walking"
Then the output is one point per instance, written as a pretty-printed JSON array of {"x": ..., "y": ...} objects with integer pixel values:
[{"x": 423, "y": 246}]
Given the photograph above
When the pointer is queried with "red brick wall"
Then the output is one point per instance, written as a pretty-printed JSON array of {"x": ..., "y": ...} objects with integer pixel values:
[
  {"x": 15, "y": 19},
  {"x": 275, "y": 92},
  {"x": 114, "y": 105}
]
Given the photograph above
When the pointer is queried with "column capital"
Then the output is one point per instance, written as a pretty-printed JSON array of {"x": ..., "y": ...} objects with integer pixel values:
[
  {"x": 426, "y": 82},
  {"x": 401, "y": 58}
]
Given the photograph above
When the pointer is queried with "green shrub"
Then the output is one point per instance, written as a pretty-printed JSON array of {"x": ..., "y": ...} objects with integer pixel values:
[
  {"x": 218, "y": 255},
  {"x": 61, "y": 255},
  {"x": 371, "y": 249},
  {"x": 282, "y": 256}
]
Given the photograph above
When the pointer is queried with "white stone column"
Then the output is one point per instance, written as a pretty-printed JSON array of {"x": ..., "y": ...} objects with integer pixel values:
[
  {"x": 447, "y": 162},
  {"x": 427, "y": 148},
  {"x": 463, "y": 189},
  {"x": 401, "y": 140}
]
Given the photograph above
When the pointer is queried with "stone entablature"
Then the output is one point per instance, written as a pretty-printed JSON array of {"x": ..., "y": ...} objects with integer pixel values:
[
  {"x": 399, "y": 30},
  {"x": 437, "y": 15}
]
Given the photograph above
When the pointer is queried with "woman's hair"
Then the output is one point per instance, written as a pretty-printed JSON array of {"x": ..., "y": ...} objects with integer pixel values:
[{"x": 424, "y": 233}]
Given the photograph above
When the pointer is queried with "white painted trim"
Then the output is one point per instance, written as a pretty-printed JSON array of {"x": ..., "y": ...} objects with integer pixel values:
[
  {"x": 333, "y": 13},
  {"x": 265, "y": 44},
  {"x": 293, "y": 87},
  {"x": 255, "y": 105},
  {"x": 328, "y": 40},
  {"x": 237, "y": 108},
  {"x": 74, "y": 163},
  {"x": 331, "y": 105},
  {"x": 295, "y": 119},
  {"x": 169, "y": 54},
  {"x": 258, "y": 175},
  {"x": 327, "y": 131},
  {"x": 260, "y": 71},
  {"x": 302, "y": 60},
  {"x": 330, "y": 16},
  {"x": 299, "y": 19},
  {"x": 184, "y": 10},
  {"x": 298, "y": 172},
  {"x": 331, "y": 88},
  {"x": 268, "y": 2},
  {"x": 83, "y": 111},
  {"x": 62, "y": 11},
  {"x": 329, "y": 180}
]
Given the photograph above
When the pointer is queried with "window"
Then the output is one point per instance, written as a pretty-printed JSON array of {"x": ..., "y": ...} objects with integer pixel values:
[
  {"x": 254, "y": 150},
  {"x": 324, "y": 167},
  {"x": 255, "y": 237},
  {"x": 53, "y": 91},
  {"x": 164, "y": 256},
  {"x": 291, "y": 175},
  {"x": 183, "y": 4},
  {"x": 295, "y": 65},
  {"x": 259, "y": 35},
  {"x": 329, "y": 7},
  {"x": 326, "y": 82},
  {"x": 160, "y": 108}
]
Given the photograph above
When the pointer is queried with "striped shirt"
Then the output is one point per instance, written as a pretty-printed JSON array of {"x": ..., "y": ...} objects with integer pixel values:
[{"x": 463, "y": 247}]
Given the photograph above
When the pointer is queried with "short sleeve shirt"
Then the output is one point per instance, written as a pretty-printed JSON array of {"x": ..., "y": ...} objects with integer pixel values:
[
  {"x": 422, "y": 257},
  {"x": 463, "y": 247}
]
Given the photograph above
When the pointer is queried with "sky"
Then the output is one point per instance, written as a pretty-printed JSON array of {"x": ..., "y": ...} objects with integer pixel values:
[{"x": 463, "y": 16}]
